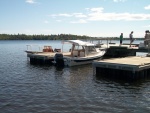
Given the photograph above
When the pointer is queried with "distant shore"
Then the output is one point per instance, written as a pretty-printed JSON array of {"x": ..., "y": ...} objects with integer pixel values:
[{"x": 55, "y": 37}]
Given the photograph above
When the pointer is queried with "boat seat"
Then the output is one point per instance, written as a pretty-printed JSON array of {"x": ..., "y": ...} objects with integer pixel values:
[
  {"x": 82, "y": 54},
  {"x": 75, "y": 53}
]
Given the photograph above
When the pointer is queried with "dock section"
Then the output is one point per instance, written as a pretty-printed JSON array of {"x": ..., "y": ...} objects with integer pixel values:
[
  {"x": 41, "y": 57},
  {"x": 123, "y": 68},
  {"x": 119, "y": 51},
  {"x": 114, "y": 50}
]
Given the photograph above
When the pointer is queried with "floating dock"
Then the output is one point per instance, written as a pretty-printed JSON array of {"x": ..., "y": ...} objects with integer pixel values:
[
  {"x": 123, "y": 68},
  {"x": 43, "y": 57},
  {"x": 116, "y": 50}
]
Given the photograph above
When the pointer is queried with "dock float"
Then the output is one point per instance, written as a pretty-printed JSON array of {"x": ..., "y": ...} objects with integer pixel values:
[
  {"x": 41, "y": 58},
  {"x": 129, "y": 68},
  {"x": 123, "y": 51}
]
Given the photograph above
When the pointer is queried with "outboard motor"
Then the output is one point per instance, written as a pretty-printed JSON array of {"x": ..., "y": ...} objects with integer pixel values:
[{"x": 59, "y": 60}]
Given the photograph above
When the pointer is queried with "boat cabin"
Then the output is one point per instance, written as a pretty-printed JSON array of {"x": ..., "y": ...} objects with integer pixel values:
[{"x": 81, "y": 49}]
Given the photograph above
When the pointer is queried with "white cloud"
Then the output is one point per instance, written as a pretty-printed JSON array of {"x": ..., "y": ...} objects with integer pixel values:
[
  {"x": 147, "y": 7},
  {"x": 65, "y": 15},
  {"x": 31, "y": 1},
  {"x": 79, "y": 15},
  {"x": 81, "y": 21},
  {"x": 119, "y": 0},
  {"x": 98, "y": 14},
  {"x": 117, "y": 16},
  {"x": 61, "y": 15},
  {"x": 97, "y": 10}
]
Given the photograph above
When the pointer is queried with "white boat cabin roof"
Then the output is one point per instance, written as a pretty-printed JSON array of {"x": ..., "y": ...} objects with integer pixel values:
[{"x": 78, "y": 42}]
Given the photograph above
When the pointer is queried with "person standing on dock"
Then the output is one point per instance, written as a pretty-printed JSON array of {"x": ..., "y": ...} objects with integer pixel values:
[
  {"x": 131, "y": 38},
  {"x": 121, "y": 38},
  {"x": 147, "y": 38}
]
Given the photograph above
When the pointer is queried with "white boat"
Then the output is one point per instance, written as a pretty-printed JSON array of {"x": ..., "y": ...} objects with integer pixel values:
[{"x": 80, "y": 53}]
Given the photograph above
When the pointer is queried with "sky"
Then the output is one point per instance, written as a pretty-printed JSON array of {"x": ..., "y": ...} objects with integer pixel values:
[{"x": 96, "y": 18}]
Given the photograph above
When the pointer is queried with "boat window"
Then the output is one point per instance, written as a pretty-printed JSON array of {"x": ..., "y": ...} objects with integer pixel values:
[
  {"x": 92, "y": 49},
  {"x": 78, "y": 48}
]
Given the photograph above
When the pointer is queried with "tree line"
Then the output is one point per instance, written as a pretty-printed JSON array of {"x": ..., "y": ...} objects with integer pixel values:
[
  {"x": 52, "y": 37},
  {"x": 41, "y": 37}
]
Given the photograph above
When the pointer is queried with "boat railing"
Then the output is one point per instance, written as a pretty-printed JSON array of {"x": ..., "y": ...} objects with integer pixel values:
[
  {"x": 33, "y": 48},
  {"x": 37, "y": 48}
]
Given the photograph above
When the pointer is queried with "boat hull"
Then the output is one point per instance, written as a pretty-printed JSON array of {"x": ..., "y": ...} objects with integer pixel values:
[{"x": 79, "y": 61}]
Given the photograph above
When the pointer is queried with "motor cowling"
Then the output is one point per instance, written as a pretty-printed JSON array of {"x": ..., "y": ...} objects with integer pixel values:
[{"x": 59, "y": 60}]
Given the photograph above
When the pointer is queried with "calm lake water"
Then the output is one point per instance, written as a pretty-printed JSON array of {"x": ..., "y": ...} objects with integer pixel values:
[{"x": 26, "y": 88}]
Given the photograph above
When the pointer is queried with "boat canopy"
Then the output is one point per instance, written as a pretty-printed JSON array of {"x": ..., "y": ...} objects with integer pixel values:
[{"x": 78, "y": 43}]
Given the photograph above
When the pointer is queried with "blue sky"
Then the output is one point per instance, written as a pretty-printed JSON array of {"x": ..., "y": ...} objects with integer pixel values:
[{"x": 100, "y": 18}]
